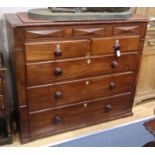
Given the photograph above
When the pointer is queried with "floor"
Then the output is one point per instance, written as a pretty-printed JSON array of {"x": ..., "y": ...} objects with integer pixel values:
[{"x": 141, "y": 111}]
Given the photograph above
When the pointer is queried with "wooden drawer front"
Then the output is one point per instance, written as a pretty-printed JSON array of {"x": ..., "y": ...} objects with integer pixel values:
[
  {"x": 77, "y": 91},
  {"x": 80, "y": 115},
  {"x": 44, "y": 73},
  {"x": 1, "y": 102},
  {"x": 44, "y": 33},
  {"x": 43, "y": 51},
  {"x": 127, "y": 30},
  {"x": 91, "y": 31},
  {"x": 106, "y": 45},
  {"x": 1, "y": 87}
]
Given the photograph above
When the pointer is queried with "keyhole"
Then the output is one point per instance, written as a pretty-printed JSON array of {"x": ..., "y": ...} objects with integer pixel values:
[
  {"x": 87, "y": 83},
  {"x": 88, "y": 61},
  {"x": 85, "y": 105}
]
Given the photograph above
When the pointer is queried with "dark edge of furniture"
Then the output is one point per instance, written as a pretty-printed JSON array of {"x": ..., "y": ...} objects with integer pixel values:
[{"x": 5, "y": 112}]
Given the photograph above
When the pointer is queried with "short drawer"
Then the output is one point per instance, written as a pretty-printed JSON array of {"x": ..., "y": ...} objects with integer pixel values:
[
  {"x": 88, "y": 31},
  {"x": 42, "y": 33},
  {"x": 45, "y": 73},
  {"x": 1, "y": 102},
  {"x": 43, "y": 51},
  {"x": 125, "y": 30},
  {"x": 107, "y": 45},
  {"x": 79, "y": 115},
  {"x": 76, "y": 91}
]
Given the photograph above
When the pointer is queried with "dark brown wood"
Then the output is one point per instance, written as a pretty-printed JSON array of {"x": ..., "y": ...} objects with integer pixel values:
[
  {"x": 44, "y": 73},
  {"x": 69, "y": 92},
  {"x": 106, "y": 45},
  {"x": 127, "y": 30},
  {"x": 150, "y": 126},
  {"x": 91, "y": 31},
  {"x": 78, "y": 115},
  {"x": 150, "y": 144},
  {"x": 1, "y": 102},
  {"x": 5, "y": 120},
  {"x": 47, "y": 33},
  {"x": 67, "y": 72},
  {"x": 44, "y": 51},
  {"x": 1, "y": 87}
]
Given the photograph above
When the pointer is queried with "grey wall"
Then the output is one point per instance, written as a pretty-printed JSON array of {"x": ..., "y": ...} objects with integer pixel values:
[
  {"x": 4, "y": 46},
  {"x": 3, "y": 10}
]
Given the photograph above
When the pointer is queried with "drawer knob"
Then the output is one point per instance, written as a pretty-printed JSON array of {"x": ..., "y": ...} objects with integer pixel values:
[
  {"x": 57, "y": 119},
  {"x": 58, "y": 95},
  {"x": 58, "y": 71},
  {"x": 108, "y": 108},
  {"x": 112, "y": 85},
  {"x": 117, "y": 48},
  {"x": 114, "y": 64},
  {"x": 57, "y": 51}
]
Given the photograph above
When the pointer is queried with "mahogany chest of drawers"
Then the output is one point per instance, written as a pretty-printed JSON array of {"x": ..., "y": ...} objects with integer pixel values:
[{"x": 70, "y": 75}]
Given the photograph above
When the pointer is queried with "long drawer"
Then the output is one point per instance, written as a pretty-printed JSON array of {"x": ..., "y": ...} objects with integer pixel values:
[
  {"x": 79, "y": 115},
  {"x": 45, "y": 73},
  {"x": 80, "y": 90}
]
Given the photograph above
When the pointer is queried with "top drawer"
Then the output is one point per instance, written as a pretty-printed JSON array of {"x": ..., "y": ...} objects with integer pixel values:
[
  {"x": 44, "y": 33},
  {"x": 125, "y": 30},
  {"x": 63, "y": 32},
  {"x": 43, "y": 51},
  {"x": 82, "y": 31},
  {"x": 88, "y": 31}
]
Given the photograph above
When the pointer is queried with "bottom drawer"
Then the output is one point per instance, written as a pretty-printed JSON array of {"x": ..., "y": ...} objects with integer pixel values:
[{"x": 79, "y": 115}]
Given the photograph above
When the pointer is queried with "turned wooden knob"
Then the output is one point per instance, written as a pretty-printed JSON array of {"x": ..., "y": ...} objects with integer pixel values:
[
  {"x": 57, "y": 119},
  {"x": 114, "y": 64},
  {"x": 58, "y": 95},
  {"x": 112, "y": 85},
  {"x": 58, "y": 71},
  {"x": 108, "y": 108},
  {"x": 57, "y": 51}
]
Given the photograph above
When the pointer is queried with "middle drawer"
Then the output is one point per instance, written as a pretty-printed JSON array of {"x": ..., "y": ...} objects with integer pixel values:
[
  {"x": 49, "y": 72},
  {"x": 64, "y": 93}
]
